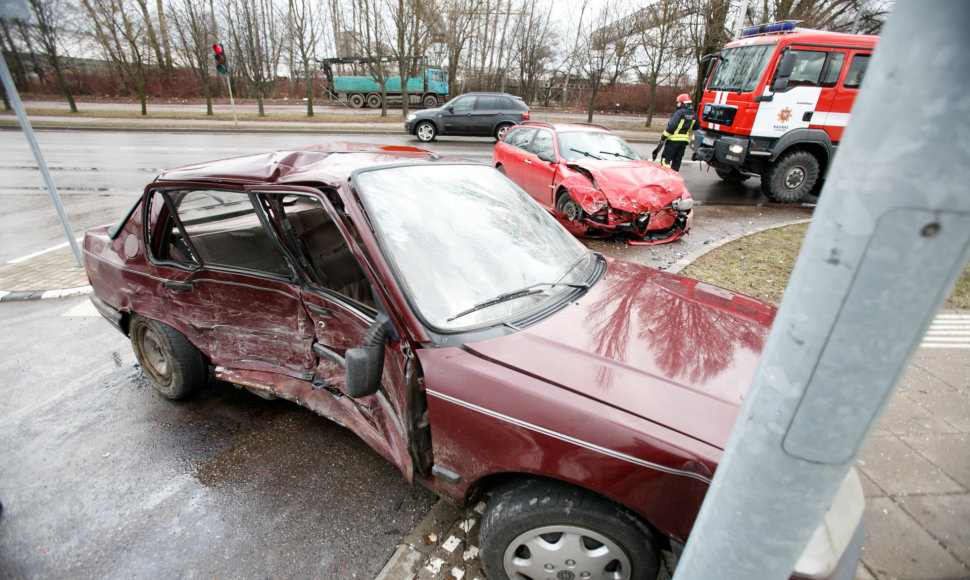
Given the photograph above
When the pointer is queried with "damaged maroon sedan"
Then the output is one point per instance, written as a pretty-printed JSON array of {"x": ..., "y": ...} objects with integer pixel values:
[
  {"x": 589, "y": 399},
  {"x": 595, "y": 182}
]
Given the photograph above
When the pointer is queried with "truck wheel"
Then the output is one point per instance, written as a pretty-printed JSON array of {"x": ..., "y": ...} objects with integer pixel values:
[
  {"x": 357, "y": 100},
  {"x": 548, "y": 529},
  {"x": 374, "y": 101},
  {"x": 501, "y": 130},
  {"x": 791, "y": 177},
  {"x": 430, "y": 101},
  {"x": 172, "y": 364},
  {"x": 731, "y": 175},
  {"x": 426, "y": 131}
]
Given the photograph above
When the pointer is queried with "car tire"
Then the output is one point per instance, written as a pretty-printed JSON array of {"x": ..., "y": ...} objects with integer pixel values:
[
  {"x": 567, "y": 205},
  {"x": 791, "y": 177},
  {"x": 731, "y": 175},
  {"x": 357, "y": 100},
  {"x": 501, "y": 130},
  {"x": 374, "y": 101},
  {"x": 425, "y": 131},
  {"x": 430, "y": 101},
  {"x": 172, "y": 364},
  {"x": 555, "y": 528}
]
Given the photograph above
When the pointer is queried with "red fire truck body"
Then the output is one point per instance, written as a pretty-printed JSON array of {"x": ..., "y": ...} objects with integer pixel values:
[{"x": 775, "y": 104}]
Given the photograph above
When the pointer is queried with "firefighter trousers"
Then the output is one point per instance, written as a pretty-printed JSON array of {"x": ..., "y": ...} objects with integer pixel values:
[{"x": 673, "y": 154}]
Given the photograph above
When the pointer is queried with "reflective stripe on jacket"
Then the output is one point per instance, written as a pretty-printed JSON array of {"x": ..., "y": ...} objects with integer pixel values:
[{"x": 681, "y": 124}]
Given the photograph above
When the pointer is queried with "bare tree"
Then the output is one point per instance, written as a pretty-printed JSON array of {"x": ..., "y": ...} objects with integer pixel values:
[
  {"x": 706, "y": 24},
  {"x": 305, "y": 34},
  {"x": 604, "y": 52},
  {"x": 256, "y": 41},
  {"x": 152, "y": 38},
  {"x": 454, "y": 28},
  {"x": 411, "y": 36},
  {"x": 660, "y": 34},
  {"x": 834, "y": 15},
  {"x": 120, "y": 34},
  {"x": 48, "y": 16},
  {"x": 8, "y": 50},
  {"x": 533, "y": 49},
  {"x": 193, "y": 24}
]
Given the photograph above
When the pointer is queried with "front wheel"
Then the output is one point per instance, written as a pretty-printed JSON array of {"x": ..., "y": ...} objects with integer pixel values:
[
  {"x": 172, "y": 364},
  {"x": 501, "y": 130},
  {"x": 791, "y": 177},
  {"x": 548, "y": 529},
  {"x": 426, "y": 131},
  {"x": 430, "y": 101},
  {"x": 567, "y": 205}
]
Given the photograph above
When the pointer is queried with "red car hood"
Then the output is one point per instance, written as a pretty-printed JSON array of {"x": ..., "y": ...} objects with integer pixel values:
[
  {"x": 671, "y": 350},
  {"x": 635, "y": 185}
]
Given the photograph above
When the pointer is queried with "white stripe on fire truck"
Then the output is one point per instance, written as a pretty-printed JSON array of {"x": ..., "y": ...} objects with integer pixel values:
[{"x": 830, "y": 119}]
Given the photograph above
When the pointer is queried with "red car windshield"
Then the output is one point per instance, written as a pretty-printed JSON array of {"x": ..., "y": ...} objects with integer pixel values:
[{"x": 593, "y": 145}]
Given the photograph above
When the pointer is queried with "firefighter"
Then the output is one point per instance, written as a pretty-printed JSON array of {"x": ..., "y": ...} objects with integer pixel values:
[{"x": 677, "y": 135}]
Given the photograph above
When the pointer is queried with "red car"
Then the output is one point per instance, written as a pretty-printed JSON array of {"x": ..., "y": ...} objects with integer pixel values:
[
  {"x": 595, "y": 182},
  {"x": 447, "y": 319}
]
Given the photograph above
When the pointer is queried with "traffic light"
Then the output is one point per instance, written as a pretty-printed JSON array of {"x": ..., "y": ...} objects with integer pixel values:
[{"x": 220, "y": 58}]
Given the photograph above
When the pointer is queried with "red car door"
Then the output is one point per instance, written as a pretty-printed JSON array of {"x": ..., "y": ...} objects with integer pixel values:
[{"x": 539, "y": 169}]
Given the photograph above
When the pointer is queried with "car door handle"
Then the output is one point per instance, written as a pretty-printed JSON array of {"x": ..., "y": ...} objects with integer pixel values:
[
  {"x": 527, "y": 162},
  {"x": 180, "y": 286},
  {"x": 320, "y": 310}
]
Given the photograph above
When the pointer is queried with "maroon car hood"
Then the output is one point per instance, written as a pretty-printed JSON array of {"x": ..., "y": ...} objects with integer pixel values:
[
  {"x": 635, "y": 185},
  {"x": 672, "y": 350}
]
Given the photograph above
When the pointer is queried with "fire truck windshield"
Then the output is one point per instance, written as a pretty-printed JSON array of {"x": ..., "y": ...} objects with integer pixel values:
[{"x": 740, "y": 68}]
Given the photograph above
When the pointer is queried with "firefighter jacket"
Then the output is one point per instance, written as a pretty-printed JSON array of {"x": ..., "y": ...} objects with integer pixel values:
[{"x": 681, "y": 124}]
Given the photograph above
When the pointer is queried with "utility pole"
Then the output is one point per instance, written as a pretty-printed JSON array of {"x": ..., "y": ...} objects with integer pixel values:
[{"x": 889, "y": 238}]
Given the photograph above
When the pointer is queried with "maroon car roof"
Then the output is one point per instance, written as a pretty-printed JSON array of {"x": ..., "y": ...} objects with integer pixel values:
[{"x": 324, "y": 163}]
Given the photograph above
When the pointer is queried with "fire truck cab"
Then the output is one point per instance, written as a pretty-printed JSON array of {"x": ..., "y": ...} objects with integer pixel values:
[{"x": 775, "y": 104}]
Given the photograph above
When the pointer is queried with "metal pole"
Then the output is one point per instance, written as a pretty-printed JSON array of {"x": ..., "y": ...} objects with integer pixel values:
[
  {"x": 18, "y": 107},
  {"x": 232, "y": 101},
  {"x": 889, "y": 239}
]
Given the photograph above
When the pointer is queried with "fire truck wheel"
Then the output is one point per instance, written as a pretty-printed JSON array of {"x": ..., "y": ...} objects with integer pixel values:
[
  {"x": 731, "y": 175},
  {"x": 791, "y": 177}
]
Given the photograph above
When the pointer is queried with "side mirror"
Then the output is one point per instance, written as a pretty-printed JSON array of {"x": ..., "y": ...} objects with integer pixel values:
[
  {"x": 785, "y": 68},
  {"x": 364, "y": 366},
  {"x": 779, "y": 85}
]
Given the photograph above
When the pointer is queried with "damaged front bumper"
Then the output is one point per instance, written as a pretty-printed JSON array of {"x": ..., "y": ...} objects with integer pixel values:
[{"x": 645, "y": 229}]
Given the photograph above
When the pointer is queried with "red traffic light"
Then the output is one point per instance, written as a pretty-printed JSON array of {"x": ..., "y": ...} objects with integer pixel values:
[{"x": 221, "y": 65}]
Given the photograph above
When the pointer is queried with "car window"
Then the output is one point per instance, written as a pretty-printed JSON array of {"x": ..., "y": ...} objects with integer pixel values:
[
  {"x": 214, "y": 228},
  {"x": 463, "y": 104},
  {"x": 594, "y": 145},
  {"x": 833, "y": 69},
  {"x": 542, "y": 144},
  {"x": 808, "y": 68},
  {"x": 857, "y": 70},
  {"x": 322, "y": 253},
  {"x": 488, "y": 103},
  {"x": 503, "y": 242},
  {"x": 519, "y": 137}
]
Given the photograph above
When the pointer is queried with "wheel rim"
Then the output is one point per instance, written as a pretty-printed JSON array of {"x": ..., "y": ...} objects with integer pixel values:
[
  {"x": 502, "y": 131},
  {"x": 153, "y": 357},
  {"x": 794, "y": 178},
  {"x": 425, "y": 133},
  {"x": 374, "y": 102},
  {"x": 571, "y": 209},
  {"x": 566, "y": 553}
]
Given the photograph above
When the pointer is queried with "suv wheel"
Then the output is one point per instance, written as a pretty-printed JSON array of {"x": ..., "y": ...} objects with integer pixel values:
[{"x": 501, "y": 130}]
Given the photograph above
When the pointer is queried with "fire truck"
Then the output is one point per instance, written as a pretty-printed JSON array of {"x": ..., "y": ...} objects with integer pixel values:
[{"x": 775, "y": 104}]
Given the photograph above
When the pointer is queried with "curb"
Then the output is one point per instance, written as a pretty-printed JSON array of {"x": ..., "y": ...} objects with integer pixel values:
[
  {"x": 682, "y": 263},
  {"x": 23, "y": 296}
]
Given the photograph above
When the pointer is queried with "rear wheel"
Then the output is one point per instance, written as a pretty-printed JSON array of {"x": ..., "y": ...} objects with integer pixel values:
[
  {"x": 374, "y": 101},
  {"x": 548, "y": 529},
  {"x": 501, "y": 130},
  {"x": 500, "y": 169},
  {"x": 430, "y": 101},
  {"x": 357, "y": 101},
  {"x": 172, "y": 364},
  {"x": 426, "y": 131},
  {"x": 791, "y": 177}
]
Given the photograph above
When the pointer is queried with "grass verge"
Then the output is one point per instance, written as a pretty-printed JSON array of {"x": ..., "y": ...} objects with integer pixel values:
[{"x": 760, "y": 265}]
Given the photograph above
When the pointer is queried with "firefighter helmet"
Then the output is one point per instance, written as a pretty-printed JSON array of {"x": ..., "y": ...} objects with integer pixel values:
[{"x": 683, "y": 99}]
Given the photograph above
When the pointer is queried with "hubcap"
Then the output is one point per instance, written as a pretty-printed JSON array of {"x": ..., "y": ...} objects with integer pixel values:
[
  {"x": 566, "y": 553},
  {"x": 424, "y": 133},
  {"x": 794, "y": 178},
  {"x": 155, "y": 358},
  {"x": 572, "y": 210}
]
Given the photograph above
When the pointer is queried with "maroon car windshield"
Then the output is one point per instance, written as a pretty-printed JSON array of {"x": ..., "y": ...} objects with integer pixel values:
[{"x": 470, "y": 247}]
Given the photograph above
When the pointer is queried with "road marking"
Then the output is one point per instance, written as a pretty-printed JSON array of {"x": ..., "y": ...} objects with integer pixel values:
[
  {"x": 83, "y": 309},
  {"x": 948, "y": 331}
]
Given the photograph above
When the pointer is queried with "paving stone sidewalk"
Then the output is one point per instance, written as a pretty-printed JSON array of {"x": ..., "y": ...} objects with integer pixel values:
[{"x": 50, "y": 274}]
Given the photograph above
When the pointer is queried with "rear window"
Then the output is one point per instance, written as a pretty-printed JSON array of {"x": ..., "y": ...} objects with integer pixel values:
[{"x": 488, "y": 103}]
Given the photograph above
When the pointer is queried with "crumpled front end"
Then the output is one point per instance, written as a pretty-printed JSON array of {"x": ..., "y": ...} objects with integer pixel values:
[{"x": 650, "y": 207}]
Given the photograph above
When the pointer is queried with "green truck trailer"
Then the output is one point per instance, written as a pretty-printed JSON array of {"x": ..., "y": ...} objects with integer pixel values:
[{"x": 356, "y": 81}]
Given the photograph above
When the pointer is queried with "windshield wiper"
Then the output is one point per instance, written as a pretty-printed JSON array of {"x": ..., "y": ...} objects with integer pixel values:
[
  {"x": 536, "y": 288},
  {"x": 616, "y": 154},
  {"x": 586, "y": 153}
]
